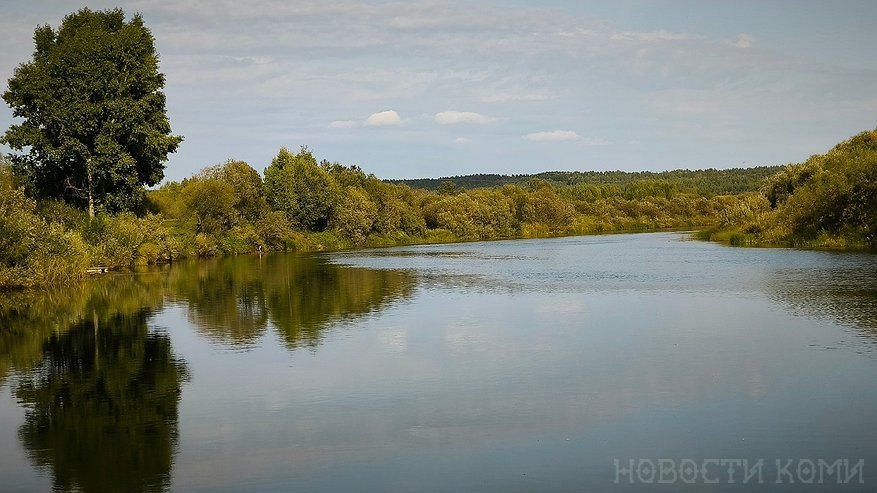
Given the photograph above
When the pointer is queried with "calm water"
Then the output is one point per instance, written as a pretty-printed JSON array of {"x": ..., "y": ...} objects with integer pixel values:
[{"x": 529, "y": 365}]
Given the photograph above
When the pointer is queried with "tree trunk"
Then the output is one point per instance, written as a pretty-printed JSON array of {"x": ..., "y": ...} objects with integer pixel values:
[
  {"x": 89, "y": 172},
  {"x": 96, "y": 342}
]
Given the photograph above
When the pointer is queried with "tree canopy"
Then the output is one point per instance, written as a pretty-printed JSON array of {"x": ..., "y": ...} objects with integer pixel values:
[
  {"x": 305, "y": 191},
  {"x": 94, "y": 127}
]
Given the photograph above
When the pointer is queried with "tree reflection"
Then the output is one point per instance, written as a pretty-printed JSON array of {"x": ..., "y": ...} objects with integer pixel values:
[
  {"x": 28, "y": 318},
  {"x": 231, "y": 300},
  {"x": 847, "y": 295},
  {"x": 99, "y": 388},
  {"x": 102, "y": 406},
  {"x": 224, "y": 298}
]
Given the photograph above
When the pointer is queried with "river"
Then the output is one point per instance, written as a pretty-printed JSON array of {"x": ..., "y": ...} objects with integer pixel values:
[{"x": 639, "y": 362}]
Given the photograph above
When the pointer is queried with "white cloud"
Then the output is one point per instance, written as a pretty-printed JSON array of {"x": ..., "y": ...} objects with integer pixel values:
[
  {"x": 454, "y": 117},
  {"x": 343, "y": 124},
  {"x": 462, "y": 140},
  {"x": 381, "y": 118},
  {"x": 743, "y": 41},
  {"x": 254, "y": 60},
  {"x": 506, "y": 97},
  {"x": 553, "y": 136},
  {"x": 652, "y": 36}
]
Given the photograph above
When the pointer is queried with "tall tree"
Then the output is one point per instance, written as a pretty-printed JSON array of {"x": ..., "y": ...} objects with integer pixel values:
[
  {"x": 298, "y": 186},
  {"x": 247, "y": 184},
  {"x": 95, "y": 126}
]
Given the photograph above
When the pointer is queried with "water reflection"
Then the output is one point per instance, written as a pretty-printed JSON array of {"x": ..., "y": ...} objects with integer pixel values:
[
  {"x": 232, "y": 300},
  {"x": 29, "y": 318},
  {"x": 845, "y": 293},
  {"x": 102, "y": 406},
  {"x": 224, "y": 299},
  {"x": 99, "y": 389},
  {"x": 100, "y": 386}
]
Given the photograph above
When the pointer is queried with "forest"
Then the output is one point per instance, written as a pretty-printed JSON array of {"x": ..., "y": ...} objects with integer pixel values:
[{"x": 708, "y": 181}]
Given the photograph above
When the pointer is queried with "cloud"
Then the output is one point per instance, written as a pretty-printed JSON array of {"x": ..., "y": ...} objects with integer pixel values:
[
  {"x": 462, "y": 140},
  {"x": 743, "y": 41},
  {"x": 506, "y": 97},
  {"x": 652, "y": 36},
  {"x": 454, "y": 117},
  {"x": 382, "y": 118},
  {"x": 595, "y": 141},
  {"x": 553, "y": 136},
  {"x": 343, "y": 124}
]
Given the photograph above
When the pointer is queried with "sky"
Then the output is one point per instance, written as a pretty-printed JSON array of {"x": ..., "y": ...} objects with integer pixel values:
[{"x": 415, "y": 89}]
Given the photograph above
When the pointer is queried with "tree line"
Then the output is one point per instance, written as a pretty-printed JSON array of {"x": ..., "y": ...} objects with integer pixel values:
[
  {"x": 701, "y": 181},
  {"x": 301, "y": 204}
]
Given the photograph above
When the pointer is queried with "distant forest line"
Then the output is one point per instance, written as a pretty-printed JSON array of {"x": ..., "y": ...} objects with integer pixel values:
[{"x": 708, "y": 181}]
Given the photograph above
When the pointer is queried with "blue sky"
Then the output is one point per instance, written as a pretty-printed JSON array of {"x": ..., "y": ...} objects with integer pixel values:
[{"x": 428, "y": 89}]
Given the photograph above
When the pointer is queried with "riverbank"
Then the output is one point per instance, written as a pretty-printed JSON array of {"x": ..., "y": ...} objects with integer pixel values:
[
  {"x": 151, "y": 243},
  {"x": 740, "y": 238}
]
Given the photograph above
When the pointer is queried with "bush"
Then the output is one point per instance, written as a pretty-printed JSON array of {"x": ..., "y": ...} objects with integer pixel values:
[
  {"x": 33, "y": 252},
  {"x": 275, "y": 232},
  {"x": 205, "y": 245},
  {"x": 240, "y": 239}
]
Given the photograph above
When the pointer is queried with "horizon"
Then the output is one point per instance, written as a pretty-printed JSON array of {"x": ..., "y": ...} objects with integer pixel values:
[{"x": 428, "y": 90}]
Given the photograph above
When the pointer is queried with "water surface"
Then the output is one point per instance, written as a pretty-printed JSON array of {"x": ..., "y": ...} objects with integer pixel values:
[{"x": 528, "y": 365}]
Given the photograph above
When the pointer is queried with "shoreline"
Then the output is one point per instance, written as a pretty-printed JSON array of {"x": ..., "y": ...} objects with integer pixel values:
[{"x": 693, "y": 233}]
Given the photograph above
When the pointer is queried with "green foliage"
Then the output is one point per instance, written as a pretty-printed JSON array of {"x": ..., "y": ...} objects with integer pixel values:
[
  {"x": 57, "y": 211},
  {"x": 124, "y": 240},
  {"x": 166, "y": 200},
  {"x": 398, "y": 209},
  {"x": 248, "y": 188},
  {"x": 94, "y": 124},
  {"x": 275, "y": 232},
  {"x": 545, "y": 207},
  {"x": 240, "y": 239},
  {"x": 447, "y": 187},
  {"x": 355, "y": 215},
  {"x": 32, "y": 251},
  {"x": 298, "y": 186},
  {"x": 211, "y": 203},
  {"x": 830, "y": 200},
  {"x": 706, "y": 182}
]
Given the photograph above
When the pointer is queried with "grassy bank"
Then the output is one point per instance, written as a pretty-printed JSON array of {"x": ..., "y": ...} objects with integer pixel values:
[{"x": 62, "y": 251}]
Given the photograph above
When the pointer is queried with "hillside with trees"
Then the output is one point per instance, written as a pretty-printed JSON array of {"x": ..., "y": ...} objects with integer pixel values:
[
  {"x": 303, "y": 204},
  {"x": 829, "y": 200}
]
